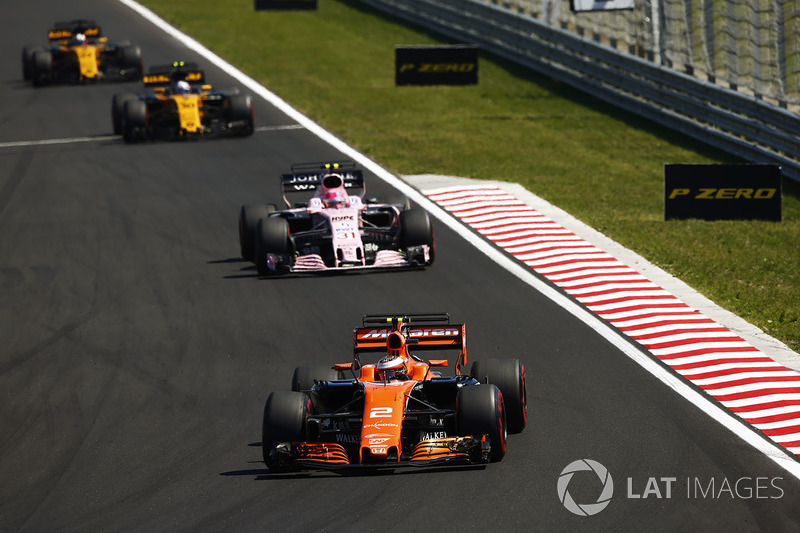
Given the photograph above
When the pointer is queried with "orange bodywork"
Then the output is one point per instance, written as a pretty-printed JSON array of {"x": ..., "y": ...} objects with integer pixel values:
[
  {"x": 453, "y": 336},
  {"x": 384, "y": 403}
]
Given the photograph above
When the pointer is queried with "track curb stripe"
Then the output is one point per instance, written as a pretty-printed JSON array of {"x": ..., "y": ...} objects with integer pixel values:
[{"x": 625, "y": 298}]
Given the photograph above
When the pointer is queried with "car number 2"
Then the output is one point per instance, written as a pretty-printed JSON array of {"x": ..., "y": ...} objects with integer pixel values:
[{"x": 380, "y": 412}]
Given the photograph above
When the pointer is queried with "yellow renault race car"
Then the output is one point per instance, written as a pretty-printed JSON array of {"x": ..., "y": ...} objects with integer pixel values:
[
  {"x": 78, "y": 52},
  {"x": 180, "y": 105}
]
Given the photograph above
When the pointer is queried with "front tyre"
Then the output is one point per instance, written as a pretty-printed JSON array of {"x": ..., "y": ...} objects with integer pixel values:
[
  {"x": 42, "y": 68},
  {"x": 135, "y": 123},
  {"x": 241, "y": 114},
  {"x": 480, "y": 411},
  {"x": 249, "y": 215},
  {"x": 509, "y": 376},
  {"x": 27, "y": 61},
  {"x": 118, "y": 102},
  {"x": 131, "y": 64},
  {"x": 416, "y": 229},
  {"x": 284, "y": 421},
  {"x": 272, "y": 237}
]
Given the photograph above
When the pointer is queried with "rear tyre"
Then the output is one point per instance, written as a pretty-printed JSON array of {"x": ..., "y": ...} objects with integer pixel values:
[
  {"x": 509, "y": 376},
  {"x": 272, "y": 237},
  {"x": 118, "y": 102},
  {"x": 134, "y": 126},
  {"x": 479, "y": 411},
  {"x": 240, "y": 111},
  {"x": 284, "y": 421},
  {"x": 131, "y": 66},
  {"x": 304, "y": 376},
  {"x": 416, "y": 229},
  {"x": 249, "y": 215}
]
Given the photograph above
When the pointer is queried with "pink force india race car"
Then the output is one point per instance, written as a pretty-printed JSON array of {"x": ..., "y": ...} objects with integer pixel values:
[
  {"x": 336, "y": 229},
  {"x": 399, "y": 411}
]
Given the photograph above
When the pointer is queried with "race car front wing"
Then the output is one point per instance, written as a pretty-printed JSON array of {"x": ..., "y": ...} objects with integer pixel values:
[
  {"x": 413, "y": 256},
  {"x": 331, "y": 456}
]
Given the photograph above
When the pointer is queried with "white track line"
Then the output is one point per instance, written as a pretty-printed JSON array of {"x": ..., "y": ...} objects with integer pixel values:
[
  {"x": 99, "y": 138},
  {"x": 713, "y": 410}
]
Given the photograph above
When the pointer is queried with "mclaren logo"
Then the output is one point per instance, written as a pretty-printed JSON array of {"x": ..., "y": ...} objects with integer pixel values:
[
  {"x": 423, "y": 332},
  {"x": 438, "y": 68}
]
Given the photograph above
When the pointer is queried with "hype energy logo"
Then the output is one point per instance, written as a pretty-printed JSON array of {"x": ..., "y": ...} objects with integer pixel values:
[{"x": 585, "y": 467}]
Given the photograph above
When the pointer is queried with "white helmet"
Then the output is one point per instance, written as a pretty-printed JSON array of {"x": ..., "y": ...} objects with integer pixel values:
[{"x": 182, "y": 87}]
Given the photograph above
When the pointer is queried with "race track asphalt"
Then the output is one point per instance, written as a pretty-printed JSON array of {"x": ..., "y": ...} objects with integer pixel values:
[{"x": 138, "y": 349}]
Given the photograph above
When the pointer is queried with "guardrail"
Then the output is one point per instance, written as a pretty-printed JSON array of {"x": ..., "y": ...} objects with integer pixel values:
[{"x": 744, "y": 126}]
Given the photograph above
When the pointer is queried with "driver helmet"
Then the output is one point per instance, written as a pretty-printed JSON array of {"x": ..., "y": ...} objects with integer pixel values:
[
  {"x": 333, "y": 194},
  {"x": 182, "y": 87},
  {"x": 391, "y": 367},
  {"x": 80, "y": 38}
]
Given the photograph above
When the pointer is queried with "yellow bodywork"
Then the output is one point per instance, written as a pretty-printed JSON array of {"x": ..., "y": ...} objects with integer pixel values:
[
  {"x": 189, "y": 112},
  {"x": 88, "y": 60}
]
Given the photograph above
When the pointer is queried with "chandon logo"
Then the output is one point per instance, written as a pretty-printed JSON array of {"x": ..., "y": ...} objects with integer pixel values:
[{"x": 585, "y": 509}]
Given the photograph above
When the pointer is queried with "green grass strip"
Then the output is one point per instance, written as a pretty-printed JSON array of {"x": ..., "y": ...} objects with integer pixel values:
[{"x": 604, "y": 166}]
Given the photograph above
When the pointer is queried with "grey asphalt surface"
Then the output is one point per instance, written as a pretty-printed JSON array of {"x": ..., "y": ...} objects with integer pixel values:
[{"x": 138, "y": 349}]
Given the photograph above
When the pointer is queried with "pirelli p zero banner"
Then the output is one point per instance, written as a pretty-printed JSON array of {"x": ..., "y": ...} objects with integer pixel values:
[
  {"x": 722, "y": 192},
  {"x": 285, "y": 4},
  {"x": 436, "y": 65}
]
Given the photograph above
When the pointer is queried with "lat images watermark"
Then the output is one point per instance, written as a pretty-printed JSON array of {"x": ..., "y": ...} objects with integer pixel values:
[
  {"x": 590, "y": 472},
  {"x": 585, "y": 509}
]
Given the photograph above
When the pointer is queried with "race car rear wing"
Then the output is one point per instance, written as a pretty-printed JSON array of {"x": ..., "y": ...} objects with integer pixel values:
[
  {"x": 177, "y": 71},
  {"x": 306, "y": 177},
  {"x": 68, "y": 30},
  {"x": 431, "y": 331}
]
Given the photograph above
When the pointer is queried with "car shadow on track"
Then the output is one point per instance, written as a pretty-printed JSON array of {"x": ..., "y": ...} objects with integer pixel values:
[{"x": 249, "y": 271}]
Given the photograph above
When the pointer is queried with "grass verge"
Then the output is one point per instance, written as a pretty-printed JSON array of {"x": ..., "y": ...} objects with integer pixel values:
[{"x": 604, "y": 166}]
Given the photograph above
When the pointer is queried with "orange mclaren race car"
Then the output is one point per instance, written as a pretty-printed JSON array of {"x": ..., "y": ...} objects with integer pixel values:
[
  {"x": 180, "y": 105},
  {"x": 399, "y": 411},
  {"x": 79, "y": 52}
]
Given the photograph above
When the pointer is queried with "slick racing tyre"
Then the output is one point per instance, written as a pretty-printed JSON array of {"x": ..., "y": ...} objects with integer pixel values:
[
  {"x": 130, "y": 62},
  {"x": 42, "y": 68},
  {"x": 479, "y": 411},
  {"x": 249, "y": 215},
  {"x": 240, "y": 113},
  {"x": 509, "y": 376},
  {"x": 118, "y": 102},
  {"x": 272, "y": 237},
  {"x": 284, "y": 421},
  {"x": 134, "y": 125},
  {"x": 402, "y": 202},
  {"x": 27, "y": 61},
  {"x": 416, "y": 229},
  {"x": 304, "y": 376}
]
